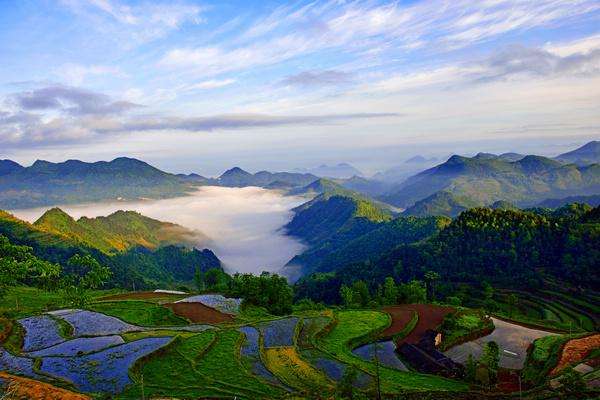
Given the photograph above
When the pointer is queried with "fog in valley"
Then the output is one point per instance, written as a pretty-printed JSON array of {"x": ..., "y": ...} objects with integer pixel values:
[{"x": 241, "y": 225}]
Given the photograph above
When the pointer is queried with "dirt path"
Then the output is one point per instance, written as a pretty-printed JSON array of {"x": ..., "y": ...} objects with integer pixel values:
[
  {"x": 575, "y": 350},
  {"x": 199, "y": 313},
  {"x": 430, "y": 317},
  {"x": 401, "y": 316}
]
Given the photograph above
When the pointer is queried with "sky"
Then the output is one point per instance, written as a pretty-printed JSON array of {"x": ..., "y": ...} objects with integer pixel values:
[{"x": 201, "y": 86}]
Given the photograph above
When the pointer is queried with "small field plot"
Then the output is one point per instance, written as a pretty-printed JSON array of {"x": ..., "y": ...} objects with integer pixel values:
[
  {"x": 30, "y": 389},
  {"x": 288, "y": 366},
  {"x": 16, "y": 365},
  {"x": 576, "y": 350},
  {"x": 386, "y": 354},
  {"x": 206, "y": 365},
  {"x": 310, "y": 328},
  {"x": 222, "y": 365},
  {"x": 279, "y": 332},
  {"x": 141, "y": 313},
  {"x": 218, "y": 302},
  {"x": 513, "y": 340},
  {"x": 333, "y": 368},
  {"x": 105, "y": 371},
  {"x": 40, "y": 331},
  {"x": 355, "y": 326},
  {"x": 401, "y": 321},
  {"x": 149, "y": 296},
  {"x": 199, "y": 313},
  {"x": 89, "y": 323},
  {"x": 430, "y": 317},
  {"x": 250, "y": 352},
  {"x": 78, "y": 346}
]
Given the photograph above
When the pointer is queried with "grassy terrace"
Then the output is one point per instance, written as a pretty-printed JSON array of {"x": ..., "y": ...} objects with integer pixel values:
[
  {"x": 203, "y": 365},
  {"x": 352, "y": 328},
  {"x": 137, "y": 312}
]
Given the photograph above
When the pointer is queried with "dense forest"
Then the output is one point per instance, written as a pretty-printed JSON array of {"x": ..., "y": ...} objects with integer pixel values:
[{"x": 508, "y": 248}]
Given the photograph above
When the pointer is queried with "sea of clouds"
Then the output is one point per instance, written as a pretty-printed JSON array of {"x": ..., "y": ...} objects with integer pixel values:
[{"x": 241, "y": 225}]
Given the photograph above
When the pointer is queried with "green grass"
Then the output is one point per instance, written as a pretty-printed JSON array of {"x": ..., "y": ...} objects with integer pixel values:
[
  {"x": 24, "y": 301},
  {"x": 203, "y": 365},
  {"x": 355, "y": 327},
  {"x": 131, "y": 336},
  {"x": 545, "y": 314},
  {"x": 137, "y": 312}
]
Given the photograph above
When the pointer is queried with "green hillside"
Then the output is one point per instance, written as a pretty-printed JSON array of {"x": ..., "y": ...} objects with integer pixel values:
[
  {"x": 119, "y": 231},
  {"x": 343, "y": 227},
  {"x": 483, "y": 180},
  {"x": 139, "y": 266}
]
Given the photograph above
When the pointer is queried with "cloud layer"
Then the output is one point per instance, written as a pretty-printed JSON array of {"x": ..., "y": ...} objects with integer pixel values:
[{"x": 243, "y": 224}]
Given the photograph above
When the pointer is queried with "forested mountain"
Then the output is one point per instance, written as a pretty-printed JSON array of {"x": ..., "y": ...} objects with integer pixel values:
[
  {"x": 46, "y": 183},
  {"x": 485, "y": 179},
  {"x": 441, "y": 203},
  {"x": 137, "y": 266},
  {"x": 505, "y": 247},
  {"x": 117, "y": 232},
  {"x": 237, "y": 177},
  {"x": 585, "y": 155},
  {"x": 339, "y": 171},
  {"x": 342, "y": 227}
]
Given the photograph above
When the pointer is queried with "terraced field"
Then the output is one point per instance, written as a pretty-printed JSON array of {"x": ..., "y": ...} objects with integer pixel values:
[{"x": 138, "y": 348}]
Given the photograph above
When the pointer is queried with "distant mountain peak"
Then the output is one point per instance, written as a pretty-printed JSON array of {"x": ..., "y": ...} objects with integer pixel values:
[{"x": 589, "y": 153}]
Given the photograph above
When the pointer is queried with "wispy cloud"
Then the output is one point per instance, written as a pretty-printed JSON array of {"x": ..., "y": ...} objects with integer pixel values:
[
  {"x": 318, "y": 78},
  {"x": 358, "y": 27},
  {"x": 75, "y": 74},
  {"x": 85, "y": 115},
  {"x": 135, "y": 23}
]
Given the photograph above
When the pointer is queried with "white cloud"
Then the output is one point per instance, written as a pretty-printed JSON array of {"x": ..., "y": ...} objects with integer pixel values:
[
  {"x": 76, "y": 74},
  {"x": 210, "y": 84}
]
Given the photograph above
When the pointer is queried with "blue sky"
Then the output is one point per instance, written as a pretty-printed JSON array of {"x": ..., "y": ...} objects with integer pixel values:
[{"x": 202, "y": 86}]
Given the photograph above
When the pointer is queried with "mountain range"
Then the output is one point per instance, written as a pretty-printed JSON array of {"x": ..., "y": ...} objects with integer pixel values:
[
  {"x": 445, "y": 189},
  {"x": 486, "y": 178},
  {"x": 45, "y": 183}
]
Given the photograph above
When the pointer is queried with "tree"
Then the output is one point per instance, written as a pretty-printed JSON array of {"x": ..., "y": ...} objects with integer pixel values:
[
  {"x": 491, "y": 358},
  {"x": 512, "y": 303},
  {"x": 88, "y": 275},
  {"x": 471, "y": 369},
  {"x": 19, "y": 265},
  {"x": 199, "y": 280},
  {"x": 360, "y": 293},
  {"x": 431, "y": 277},
  {"x": 216, "y": 279},
  {"x": 345, "y": 387},
  {"x": 91, "y": 274},
  {"x": 270, "y": 291},
  {"x": 412, "y": 292},
  {"x": 347, "y": 296},
  {"x": 390, "y": 291}
]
